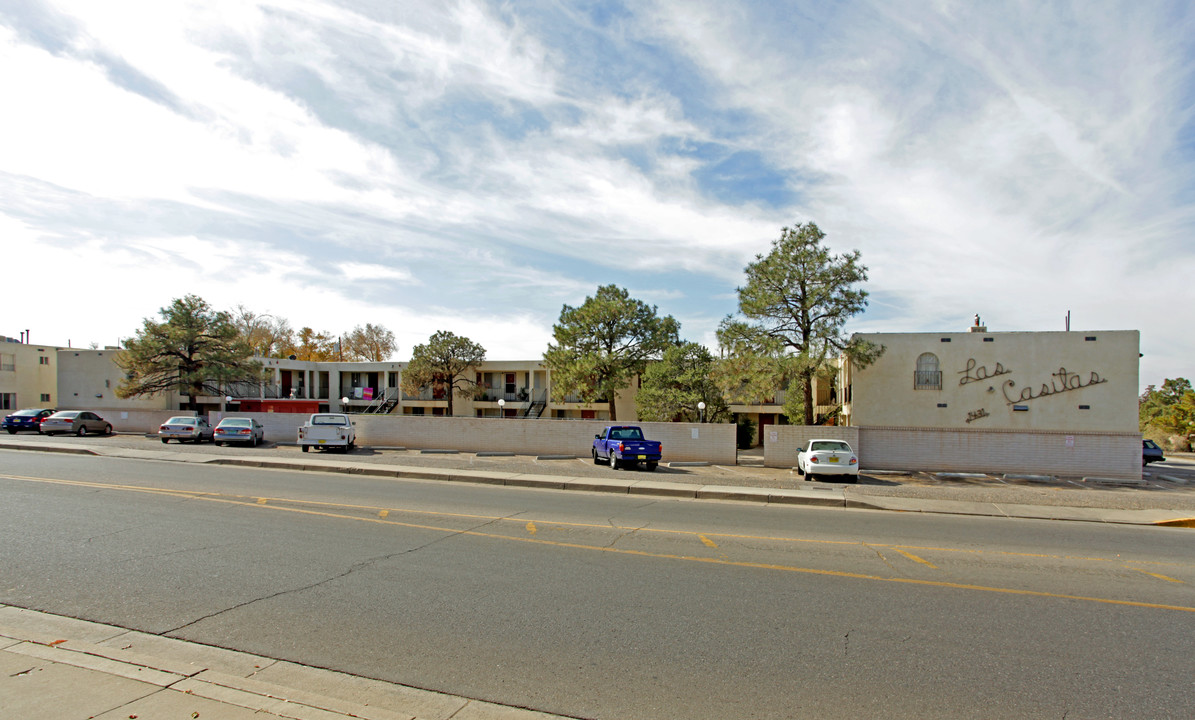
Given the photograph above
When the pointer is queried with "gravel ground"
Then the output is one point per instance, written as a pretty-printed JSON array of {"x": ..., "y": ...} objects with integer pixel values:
[{"x": 1155, "y": 493}]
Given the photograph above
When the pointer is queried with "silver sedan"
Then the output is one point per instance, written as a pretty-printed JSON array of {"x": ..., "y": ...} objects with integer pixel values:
[
  {"x": 79, "y": 422},
  {"x": 183, "y": 428}
]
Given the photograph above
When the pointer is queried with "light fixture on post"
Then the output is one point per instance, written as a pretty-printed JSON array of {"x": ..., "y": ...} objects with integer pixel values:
[
  {"x": 701, "y": 411},
  {"x": 344, "y": 404},
  {"x": 502, "y": 407}
]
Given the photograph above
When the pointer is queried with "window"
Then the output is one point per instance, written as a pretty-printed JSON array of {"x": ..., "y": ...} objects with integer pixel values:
[
  {"x": 927, "y": 376},
  {"x": 8, "y": 362},
  {"x": 8, "y": 401},
  {"x": 43, "y": 360},
  {"x": 45, "y": 397}
]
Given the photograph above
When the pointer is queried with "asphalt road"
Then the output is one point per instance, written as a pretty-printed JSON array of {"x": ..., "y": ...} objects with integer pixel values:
[{"x": 601, "y": 606}]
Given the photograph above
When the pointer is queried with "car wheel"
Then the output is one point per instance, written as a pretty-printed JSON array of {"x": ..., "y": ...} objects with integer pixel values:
[
  {"x": 12, "y": 431},
  {"x": 81, "y": 431},
  {"x": 107, "y": 429},
  {"x": 650, "y": 467},
  {"x": 304, "y": 448},
  {"x": 596, "y": 459},
  {"x": 613, "y": 461},
  {"x": 253, "y": 441},
  {"x": 165, "y": 441},
  {"x": 800, "y": 470}
]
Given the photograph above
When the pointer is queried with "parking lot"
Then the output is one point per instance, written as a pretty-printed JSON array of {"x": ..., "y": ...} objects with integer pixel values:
[{"x": 1167, "y": 485}]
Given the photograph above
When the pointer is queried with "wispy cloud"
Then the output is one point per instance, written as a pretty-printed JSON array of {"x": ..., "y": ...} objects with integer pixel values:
[{"x": 476, "y": 165}]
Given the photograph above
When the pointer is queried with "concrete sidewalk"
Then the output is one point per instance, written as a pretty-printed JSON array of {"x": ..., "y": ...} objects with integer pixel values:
[{"x": 53, "y": 668}]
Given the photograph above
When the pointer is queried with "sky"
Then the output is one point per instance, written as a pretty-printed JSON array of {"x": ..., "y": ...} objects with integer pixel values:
[{"x": 475, "y": 166}]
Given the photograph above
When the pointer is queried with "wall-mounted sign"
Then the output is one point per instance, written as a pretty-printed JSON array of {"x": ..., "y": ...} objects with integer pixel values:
[
  {"x": 975, "y": 372},
  {"x": 1063, "y": 381},
  {"x": 977, "y": 414}
]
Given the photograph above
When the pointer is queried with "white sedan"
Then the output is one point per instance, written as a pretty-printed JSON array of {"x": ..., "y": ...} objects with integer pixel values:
[{"x": 828, "y": 457}]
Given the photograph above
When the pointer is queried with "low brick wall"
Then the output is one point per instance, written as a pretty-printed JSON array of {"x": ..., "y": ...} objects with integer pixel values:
[
  {"x": 714, "y": 443},
  {"x": 1044, "y": 452},
  {"x": 781, "y": 443},
  {"x": 1001, "y": 451}
]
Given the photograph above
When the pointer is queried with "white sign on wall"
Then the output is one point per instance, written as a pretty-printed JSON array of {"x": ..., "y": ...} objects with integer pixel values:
[
  {"x": 1070, "y": 440},
  {"x": 774, "y": 436},
  {"x": 694, "y": 433}
]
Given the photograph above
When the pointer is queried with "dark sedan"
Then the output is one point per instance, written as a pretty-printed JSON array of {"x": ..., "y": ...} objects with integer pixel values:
[
  {"x": 1150, "y": 452},
  {"x": 29, "y": 419}
]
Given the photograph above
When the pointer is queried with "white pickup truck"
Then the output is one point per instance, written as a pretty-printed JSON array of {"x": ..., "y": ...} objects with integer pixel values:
[{"x": 326, "y": 431}]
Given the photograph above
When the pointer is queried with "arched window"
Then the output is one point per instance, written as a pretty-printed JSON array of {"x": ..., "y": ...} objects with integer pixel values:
[{"x": 927, "y": 376}]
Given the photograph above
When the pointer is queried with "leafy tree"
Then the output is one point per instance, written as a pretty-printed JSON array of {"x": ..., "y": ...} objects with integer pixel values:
[
  {"x": 1170, "y": 409},
  {"x": 266, "y": 335},
  {"x": 603, "y": 344},
  {"x": 448, "y": 359},
  {"x": 193, "y": 351},
  {"x": 312, "y": 345},
  {"x": 371, "y": 343},
  {"x": 797, "y": 299},
  {"x": 674, "y": 385}
]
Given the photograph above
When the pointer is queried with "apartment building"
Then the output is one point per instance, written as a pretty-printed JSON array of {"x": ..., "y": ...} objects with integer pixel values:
[{"x": 28, "y": 375}]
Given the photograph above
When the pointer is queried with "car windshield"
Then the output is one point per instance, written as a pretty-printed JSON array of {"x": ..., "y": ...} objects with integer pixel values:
[
  {"x": 235, "y": 422},
  {"x": 329, "y": 420},
  {"x": 69, "y": 414},
  {"x": 25, "y": 413},
  {"x": 626, "y": 434},
  {"x": 182, "y": 421},
  {"x": 1151, "y": 445},
  {"x": 831, "y": 446}
]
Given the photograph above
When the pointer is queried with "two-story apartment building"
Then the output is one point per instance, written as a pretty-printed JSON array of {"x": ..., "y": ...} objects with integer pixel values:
[{"x": 28, "y": 375}]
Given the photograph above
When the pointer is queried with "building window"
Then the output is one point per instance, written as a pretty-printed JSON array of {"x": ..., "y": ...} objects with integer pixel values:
[
  {"x": 45, "y": 397},
  {"x": 8, "y": 362},
  {"x": 8, "y": 401},
  {"x": 43, "y": 360},
  {"x": 927, "y": 376}
]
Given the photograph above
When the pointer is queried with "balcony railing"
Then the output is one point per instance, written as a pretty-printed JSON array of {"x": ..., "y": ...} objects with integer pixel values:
[
  {"x": 927, "y": 379},
  {"x": 426, "y": 394}
]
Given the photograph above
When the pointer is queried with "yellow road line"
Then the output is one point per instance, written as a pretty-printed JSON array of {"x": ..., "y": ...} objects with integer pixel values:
[
  {"x": 242, "y": 500},
  {"x": 383, "y": 513},
  {"x": 1159, "y": 576},
  {"x": 707, "y": 541},
  {"x": 914, "y": 558},
  {"x": 531, "y": 528}
]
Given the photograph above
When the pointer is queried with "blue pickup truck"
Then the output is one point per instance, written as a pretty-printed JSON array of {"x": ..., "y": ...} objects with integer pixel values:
[{"x": 623, "y": 445}]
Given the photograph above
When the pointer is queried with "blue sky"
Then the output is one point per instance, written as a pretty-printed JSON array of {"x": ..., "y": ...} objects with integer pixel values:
[{"x": 474, "y": 166}]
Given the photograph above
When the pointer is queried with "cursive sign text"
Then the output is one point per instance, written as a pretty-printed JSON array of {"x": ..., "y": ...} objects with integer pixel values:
[
  {"x": 975, "y": 372},
  {"x": 1063, "y": 381},
  {"x": 976, "y": 414}
]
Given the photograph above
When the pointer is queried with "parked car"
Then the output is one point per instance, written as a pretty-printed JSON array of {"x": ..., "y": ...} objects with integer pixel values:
[
  {"x": 79, "y": 422},
  {"x": 1150, "y": 452},
  {"x": 239, "y": 430},
  {"x": 183, "y": 428},
  {"x": 327, "y": 431},
  {"x": 621, "y": 445},
  {"x": 29, "y": 419},
  {"x": 828, "y": 457}
]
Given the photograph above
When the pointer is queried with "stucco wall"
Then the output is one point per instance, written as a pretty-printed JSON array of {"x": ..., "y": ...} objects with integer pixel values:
[
  {"x": 714, "y": 443},
  {"x": 1077, "y": 381},
  {"x": 782, "y": 442},
  {"x": 87, "y": 380}
]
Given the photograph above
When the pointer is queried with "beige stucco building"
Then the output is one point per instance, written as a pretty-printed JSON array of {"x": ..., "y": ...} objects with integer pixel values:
[
  {"x": 1061, "y": 402},
  {"x": 28, "y": 375}
]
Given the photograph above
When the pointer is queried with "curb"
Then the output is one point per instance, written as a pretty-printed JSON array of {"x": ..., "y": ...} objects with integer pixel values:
[{"x": 827, "y": 497}]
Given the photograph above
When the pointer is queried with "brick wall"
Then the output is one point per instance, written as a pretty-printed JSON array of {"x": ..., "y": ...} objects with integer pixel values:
[
  {"x": 715, "y": 443},
  {"x": 1040, "y": 452},
  {"x": 782, "y": 452},
  {"x": 1001, "y": 451}
]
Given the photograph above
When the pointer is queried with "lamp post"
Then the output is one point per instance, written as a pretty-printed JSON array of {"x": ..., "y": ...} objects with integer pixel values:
[
  {"x": 502, "y": 407},
  {"x": 701, "y": 411},
  {"x": 344, "y": 404}
]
